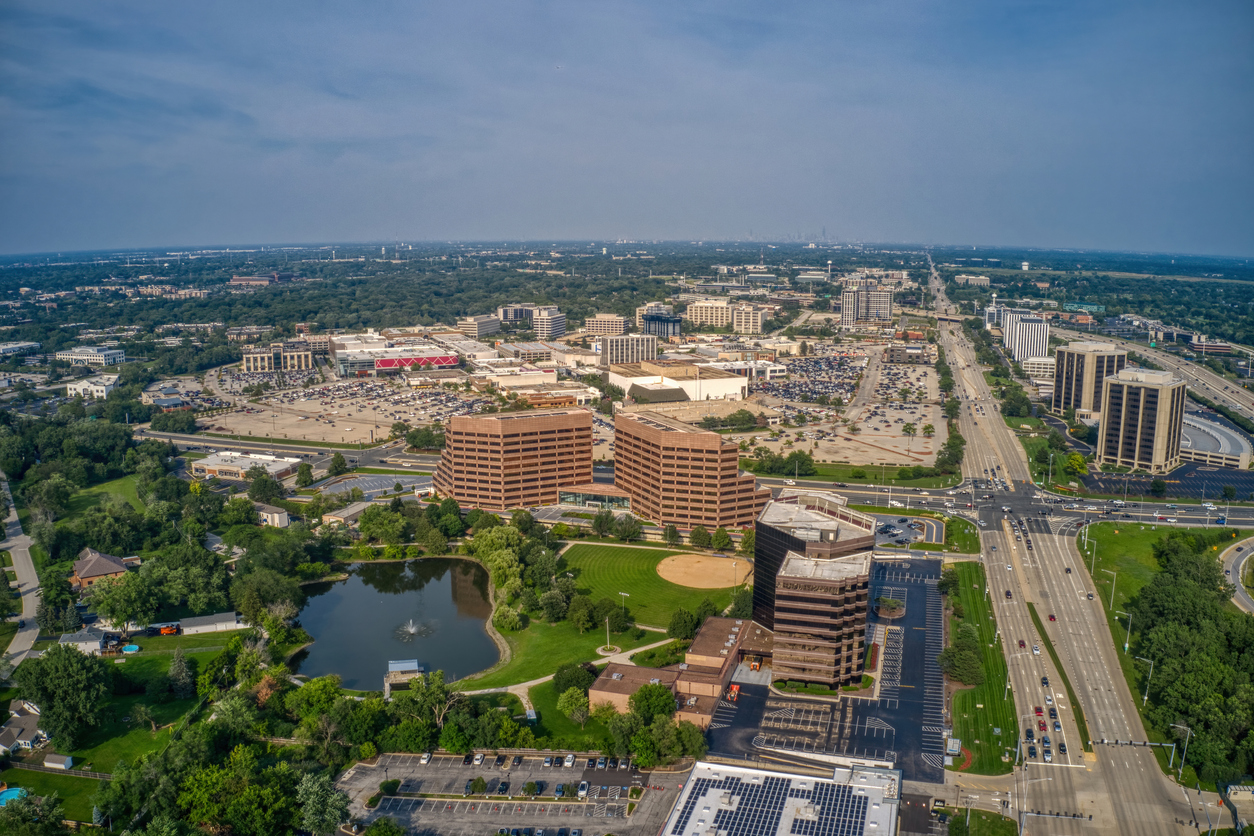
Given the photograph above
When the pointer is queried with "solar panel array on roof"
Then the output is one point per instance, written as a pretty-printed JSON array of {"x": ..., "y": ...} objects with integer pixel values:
[{"x": 757, "y": 808}]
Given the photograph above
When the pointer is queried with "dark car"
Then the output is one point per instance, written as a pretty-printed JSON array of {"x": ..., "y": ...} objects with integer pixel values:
[
  {"x": 592, "y": 762},
  {"x": 468, "y": 786},
  {"x": 1062, "y": 748},
  {"x": 1031, "y": 751},
  {"x": 1053, "y": 713},
  {"x": 500, "y": 761},
  {"x": 469, "y": 759},
  {"x": 1044, "y": 681},
  {"x": 613, "y": 763},
  {"x": 1030, "y": 734},
  {"x": 517, "y": 761},
  {"x": 1009, "y": 595}
]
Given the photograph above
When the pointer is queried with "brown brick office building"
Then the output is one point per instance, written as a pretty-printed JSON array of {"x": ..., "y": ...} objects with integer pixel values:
[
  {"x": 515, "y": 460},
  {"x": 678, "y": 474}
]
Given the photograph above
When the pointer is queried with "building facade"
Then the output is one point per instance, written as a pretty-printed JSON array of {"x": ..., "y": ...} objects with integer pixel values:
[
  {"x": 92, "y": 387},
  {"x": 661, "y": 325},
  {"x": 292, "y": 355},
  {"x": 1142, "y": 420},
  {"x": 1038, "y": 368},
  {"x": 1080, "y": 370},
  {"x": 86, "y": 355},
  {"x": 628, "y": 348},
  {"x": 515, "y": 460},
  {"x": 680, "y": 475},
  {"x": 1025, "y": 336},
  {"x": 722, "y": 313},
  {"x": 517, "y": 312},
  {"x": 821, "y": 609},
  {"x": 606, "y": 324},
  {"x": 652, "y": 308},
  {"x": 549, "y": 323},
  {"x": 478, "y": 327},
  {"x": 865, "y": 305}
]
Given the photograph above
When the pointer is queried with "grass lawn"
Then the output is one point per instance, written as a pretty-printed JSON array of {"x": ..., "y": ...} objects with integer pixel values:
[
  {"x": 963, "y": 535},
  {"x": 6, "y": 559},
  {"x": 660, "y": 657},
  {"x": 874, "y": 475},
  {"x": 8, "y": 629},
  {"x": 90, "y": 497},
  {"x": 605, "y": 571},
  {"x": 117, "y": 739},
  {"x": 553, "y": 723},
  {"x": 191, "y": 457},
  {"x": 982, "y": 823},
  {"x": 75, "y": 792},
  {"x": 166, "y": 644},
  {"x": 977, "y": 711},
  {"x": 1018, "y": 423},
  {"x": 389, "y": 471},
  {"x": 539, "y": 649}
]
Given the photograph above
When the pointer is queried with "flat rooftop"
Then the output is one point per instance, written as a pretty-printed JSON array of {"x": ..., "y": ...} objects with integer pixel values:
[
  {"x": 673, "y": 369},
  {"x": 660, "y": 422},
  {"x": 828, "y": 569},
  {"x": 718, "y": 634},
  {"x": 1147, "y": 376},
  {"x": 742, "y": 801},
  {"x": 816, "y": 515},
  {"x": 1089, "y": 347}
]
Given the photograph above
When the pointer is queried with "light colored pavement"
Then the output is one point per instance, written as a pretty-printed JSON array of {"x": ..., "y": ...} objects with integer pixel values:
[
  {"x": 18, "y": 545},
  {"x": 1234, "y": 562}
]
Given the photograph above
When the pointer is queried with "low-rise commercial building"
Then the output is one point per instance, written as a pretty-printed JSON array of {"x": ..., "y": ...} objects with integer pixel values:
[
  {"x": 676, "y": 380},
  {"x": 92, "y": 387},
  {"x": 912, "y": 353},
  {"x": 271, "y": 515},
  {"x": 515, "y": 460},
  {"x": 752, "y": 369},
  {"x": 227, "y": 464},
  {"x": 678, "y": 474},
  {"x": 1039, "y": 368},
  {"x": 291, "y": 355},
  {"x": 8, "y": 349},
  {"x": 527, "y": 352},
  {"x": 370, "y": 355},
  {"x": 92, "y": 355},
  {"x": 348, "y": 515}
]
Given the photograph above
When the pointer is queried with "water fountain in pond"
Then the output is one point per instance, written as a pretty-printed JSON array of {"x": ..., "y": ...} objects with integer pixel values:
[{"x": 411, "y": 630}]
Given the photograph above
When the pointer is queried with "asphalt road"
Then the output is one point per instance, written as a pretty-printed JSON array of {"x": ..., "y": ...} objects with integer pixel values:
[
  {"x": 18, "y": 545},
  {"x": 1234, "y": 561}
]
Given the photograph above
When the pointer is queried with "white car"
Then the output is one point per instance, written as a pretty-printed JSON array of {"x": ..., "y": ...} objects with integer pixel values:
[
  {"x": 789, "y": 482},
  {"x": 1009, "y": 568},
  {"x": 569, "y": 762},
  {"x": 426, "y": 758},
  {"x": 1036, "y": 650},
  {"x": 478, "y": 758}
]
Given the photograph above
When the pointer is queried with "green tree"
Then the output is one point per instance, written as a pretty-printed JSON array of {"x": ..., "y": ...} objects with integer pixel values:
[
  {"x": 323, "y": 808},
  {"x": 748, "y": 539},
  {"x": 742, "y": 604},
  {"x": 1229, "y": 492},
  {"x": 574, "y": 704},
  {"x": 553, "y": 604},
  {"x": 720, "y": 540},
  {"x": 1158, "y": 488},
  {"x": 683, "y": 624},
  {"x": 579, "y": 675},
  {"x": 32, "y": 815},
  {"x": 238, "y": 511},
  {"x": 671, "y": 536},
  {"x": 385, "y": 826},
  {"x": 262, "y": 487},
  {"x": 1076, "y": 465},
  {"x": 338, "y": 466},
  {"x": 126, "y": 600},
  {"x": 304, "y": 475},
  {"x": 182, "y": 682},
  {"x": 650, "y": 701},
  {"x": 603, "y": 523},
  {"x": 69, "y": 687},
  {"x": 435, "y": 543},
  {"x": 929, "y": 430},
  {"x": 627, "y": 528},
  {"x": 699, "y": 537}
]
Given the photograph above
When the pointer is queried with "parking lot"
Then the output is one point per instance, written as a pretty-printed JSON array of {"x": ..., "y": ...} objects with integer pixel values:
[{"x": 505, "y": 804}]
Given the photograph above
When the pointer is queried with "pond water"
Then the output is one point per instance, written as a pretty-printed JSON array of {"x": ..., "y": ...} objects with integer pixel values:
[{"x": 432, "y": 610}]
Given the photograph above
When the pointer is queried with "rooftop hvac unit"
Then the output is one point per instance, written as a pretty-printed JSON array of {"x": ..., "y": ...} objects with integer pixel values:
[
  {"x": 616, "y": 676},
  {"x": 655, "y": 681}
]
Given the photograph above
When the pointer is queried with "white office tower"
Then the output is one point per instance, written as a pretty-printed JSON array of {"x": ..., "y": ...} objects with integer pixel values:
[
  {"x": 865, "y": 305},
  {"x": 628, "y": 348},
  {"x": 549, "y": 323},
  {"x": 1025, "y": 336}
]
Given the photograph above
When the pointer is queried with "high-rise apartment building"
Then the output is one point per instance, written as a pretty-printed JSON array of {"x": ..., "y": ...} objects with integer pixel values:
[
  {"x": 628, "y": 348},
  {"x": 517, "y": 312},
  {"x": 652, "y": 308},
  {"x": 865, "y": 305},
  {"x": 1079, "y": 371},
  {"x": 720, "y": 313},
  {"x": 515, "y": 460},
  {"x": 811, "y": 585},
  {"x": 678, "y": 474},
  {"x": 1026, "y": 336},
  {"x": 606, "y": 324},
  {"x": 549, "y": 323},
  {"x": 1142, "y": 420}
]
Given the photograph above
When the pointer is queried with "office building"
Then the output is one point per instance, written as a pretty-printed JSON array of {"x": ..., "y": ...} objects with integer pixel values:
[
  {"x": 606, "y": 324},
  {"x": 628, "y": 348},
  {"x": 7, "y": 349},
  {"x": 743, "y": 318},
  {"x": 912, "y": 353},
  {"x": 812, "y": 564},
  {"x": 678, "y": 474},
  {"x": 227, "y": 464},
  {"x": 549, "y": 323},
  {"x": 652, "y": 308},
  {"x": 721, "y": 799},
  {"x": 515, "y": 460},
  {"x": 295, "y": 355},
  {"x": 972, "y": 281},
  {"x": 478, "y": 327},
  {"x": 1038, "y": 368},
  {"x": 1026, "y": 336},
  {"x": 86, "y": 355},
  {"x": 661, "y": 325},
  {"x": 92, "y": 387},
  {"x": 1142, "y": 420},
  {"x": 865, "y": 306},
  {"x": 518, "y": 312},
  {"x": 1080, "y": 368}
]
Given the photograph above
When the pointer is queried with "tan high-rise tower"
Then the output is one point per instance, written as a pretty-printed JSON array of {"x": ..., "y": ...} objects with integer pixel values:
[
  {"x": 1142, "y": 420},
  {"x": 1079, "y": 369}
]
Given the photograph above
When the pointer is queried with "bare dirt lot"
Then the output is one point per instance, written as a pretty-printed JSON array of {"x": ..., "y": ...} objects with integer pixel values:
[{"x": 703, "y": 571}]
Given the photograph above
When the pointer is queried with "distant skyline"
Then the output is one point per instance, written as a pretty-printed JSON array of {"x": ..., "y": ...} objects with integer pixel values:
[{"x": 1113, "y": 126}]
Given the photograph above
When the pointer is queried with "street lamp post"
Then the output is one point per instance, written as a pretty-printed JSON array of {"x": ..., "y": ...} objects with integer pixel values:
[
  {"x": 625, "y": 597},
  {"x": 1145, "y": 698},
  {"x": 1185, "y": 753},
  {"x": 1129, "y": 638},
  {"x": 1114, "y": 576}
]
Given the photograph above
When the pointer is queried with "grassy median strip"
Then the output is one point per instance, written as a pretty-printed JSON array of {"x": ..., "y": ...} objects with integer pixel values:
[
  {"x": 980, "y": 710},
  {"x": 1053, "y": 654}
]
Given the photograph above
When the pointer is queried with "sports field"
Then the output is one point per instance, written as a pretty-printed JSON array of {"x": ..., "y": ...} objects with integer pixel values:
[{"x": 603, "y": 571}]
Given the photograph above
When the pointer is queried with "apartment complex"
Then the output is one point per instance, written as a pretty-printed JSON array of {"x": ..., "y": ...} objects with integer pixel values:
[
  {"x": 1142, "y": 420},
  {"x": 478, "y": 327},
  {"x": 295, "y": 355},
  {"x": 628, "y": 348},
  {"x": 652, "y": 308},
  {"x": 864, "y": 305},
  {"x": 515, "y": 460},
  {"x": 516, "y": 312},
  {"x": 743, "y": 318},
  {"x": 1080, "y": 369},
  {"x": 678, "y": 474},
  {"x": 606, "y": 325}
]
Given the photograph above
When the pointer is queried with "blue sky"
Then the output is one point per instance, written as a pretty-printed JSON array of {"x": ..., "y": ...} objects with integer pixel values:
[{"x": 1104, "y": 125}]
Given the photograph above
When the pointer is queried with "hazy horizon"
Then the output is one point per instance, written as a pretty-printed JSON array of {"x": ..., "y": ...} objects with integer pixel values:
[{"x": 1117, "y": 128}]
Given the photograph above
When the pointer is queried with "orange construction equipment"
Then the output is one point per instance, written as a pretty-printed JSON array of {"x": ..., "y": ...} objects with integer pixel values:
[{"x": 733, "y": 692}]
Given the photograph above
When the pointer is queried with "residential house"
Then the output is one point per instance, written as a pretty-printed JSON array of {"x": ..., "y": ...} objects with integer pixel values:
[
  {"x": 270, "y": 515},
  {"x": 93, "y": 566},
  {"x": 21, "y": 731}
]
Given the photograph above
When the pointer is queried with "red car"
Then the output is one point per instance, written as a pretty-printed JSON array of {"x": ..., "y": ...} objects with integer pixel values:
[
  {"x": 1022, "y": 644},
  {"x": 1051, "y": 617},
  {"x": 1042, "y": 725},
  {"x": 1040, "y": 712}
]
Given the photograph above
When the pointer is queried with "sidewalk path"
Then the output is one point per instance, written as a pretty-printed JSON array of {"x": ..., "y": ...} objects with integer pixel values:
[
  {"x": 18, "y": 545},
  {"x": 520, "y": 690}
]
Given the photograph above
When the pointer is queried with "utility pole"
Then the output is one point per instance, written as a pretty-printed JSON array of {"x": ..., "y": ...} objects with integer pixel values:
[
  {"x": 1129, "y": 638},
  {"x": 1145, "y": 698}
]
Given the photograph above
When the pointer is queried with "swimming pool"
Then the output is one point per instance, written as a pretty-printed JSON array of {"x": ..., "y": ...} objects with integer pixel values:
[
  {"x": 131, "y": 648},
  {"x": 10, "y": 794}
]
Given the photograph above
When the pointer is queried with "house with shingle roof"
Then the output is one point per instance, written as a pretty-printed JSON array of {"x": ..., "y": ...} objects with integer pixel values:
[
  {"x": 21, "y": 731},
  {"x": 93, "y": 566}
]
